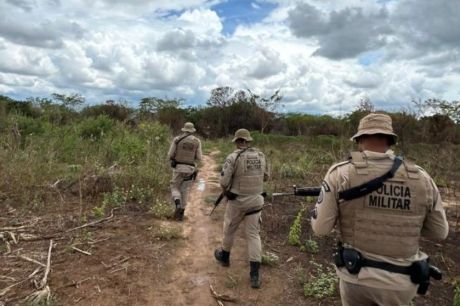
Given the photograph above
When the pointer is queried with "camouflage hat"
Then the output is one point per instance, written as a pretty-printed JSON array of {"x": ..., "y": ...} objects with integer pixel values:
[
  {"x": 375, "y": 124},
  {"x": 242, "y": 134},
  {"x": 188, "y": 127}
]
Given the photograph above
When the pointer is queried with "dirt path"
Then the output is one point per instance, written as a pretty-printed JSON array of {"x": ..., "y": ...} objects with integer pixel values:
[{"x": 194, "y": 267}]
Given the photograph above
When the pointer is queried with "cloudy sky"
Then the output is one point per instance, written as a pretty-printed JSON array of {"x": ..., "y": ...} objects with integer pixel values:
[{"x": 324, "y": 57}]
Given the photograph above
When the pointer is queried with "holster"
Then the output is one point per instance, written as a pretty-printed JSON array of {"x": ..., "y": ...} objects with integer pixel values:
[
  {"x": 173, "y": 163},
  {"x": 421, "y": 271},
  {"x": 348, "y": 258}
]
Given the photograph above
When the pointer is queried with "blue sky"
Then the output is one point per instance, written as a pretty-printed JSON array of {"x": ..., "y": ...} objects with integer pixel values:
[{"x": 323, "y": 56}]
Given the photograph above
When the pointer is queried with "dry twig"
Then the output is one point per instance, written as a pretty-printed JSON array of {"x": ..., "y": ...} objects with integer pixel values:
[
  {"x": 221, "y": 297},
  {"x": 44, "y": 280},
  {"x": 81, "y": 251},
  {"x": 5, "y": 290},
  {"x": 93, "y": 223},
  {"x": 31, "y": 260}
]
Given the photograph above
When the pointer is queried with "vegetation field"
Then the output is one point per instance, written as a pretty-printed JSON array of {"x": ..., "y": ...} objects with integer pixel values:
[{"x": 84, "y": 196}]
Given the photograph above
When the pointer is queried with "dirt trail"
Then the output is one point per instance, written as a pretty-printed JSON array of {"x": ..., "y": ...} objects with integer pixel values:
[{"x": 194, "y": 267}]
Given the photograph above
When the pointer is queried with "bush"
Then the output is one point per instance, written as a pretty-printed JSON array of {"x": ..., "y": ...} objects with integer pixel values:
[
  {"x": 95, "y": 128},
  {"x": 321, "y": 285}
]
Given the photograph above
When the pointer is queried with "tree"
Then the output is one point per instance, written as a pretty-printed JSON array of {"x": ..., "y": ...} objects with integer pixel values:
[
  {"x": 71, "y": 101},
  {"x": 441, "y": 107},
  {"x": 265, "y": 107}
]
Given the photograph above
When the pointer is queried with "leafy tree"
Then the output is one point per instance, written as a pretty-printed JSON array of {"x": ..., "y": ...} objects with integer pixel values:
[
  {"x": 72, "y": 101},
  {"x": 265, "y": 107}
]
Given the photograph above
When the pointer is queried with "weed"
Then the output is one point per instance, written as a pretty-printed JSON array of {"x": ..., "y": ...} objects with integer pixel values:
[
  {"x": 296, "y": 229},
  {"x": 457, "y": 295},
  {"x": 321, "y": 285},
  {"x": 269, "y": 259},
  {"x": 310, "y": 246},
  {"x": 162, "y": 209},
  {"x": 167, "y": 233}
]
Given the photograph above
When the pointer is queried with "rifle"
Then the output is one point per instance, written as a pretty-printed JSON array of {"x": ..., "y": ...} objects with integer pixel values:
[
  {"x": 222, "y": 195},
  {"x": 300, "y": 191},
  {"x": 217, "y": 202}
]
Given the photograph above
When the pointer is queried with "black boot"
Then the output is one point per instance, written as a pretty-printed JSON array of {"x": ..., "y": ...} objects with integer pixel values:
[
  {"x": 223, "y": 257},
  {"x": 178, "y": 209},
  {"x": 255, "y": 281},
  {"x": 180, "y": 216}
]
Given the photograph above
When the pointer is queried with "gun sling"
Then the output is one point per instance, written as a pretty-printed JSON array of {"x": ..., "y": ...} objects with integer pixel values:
[{"x": 372, "y": 185}]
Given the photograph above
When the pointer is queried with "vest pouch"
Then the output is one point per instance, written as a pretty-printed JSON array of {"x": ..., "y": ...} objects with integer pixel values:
[
  {"x": 230, "y": 195},
  {"x": 352, "y": 260}
]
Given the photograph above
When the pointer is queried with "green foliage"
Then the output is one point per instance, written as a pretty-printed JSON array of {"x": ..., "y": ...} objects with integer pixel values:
[
  {"x": 322, "y": 284},
  {"x": 166, "y": 232},
  {"x": 269, "y": 259},
  {"x": 310, "y": 246},
  {"x": 296, "y": 229},
  {"x": 457, "y": 295},
  {"x": 95, "y": 128},
  {"x": 117, "y": 198},
  {"x": 162, "y": 209}
]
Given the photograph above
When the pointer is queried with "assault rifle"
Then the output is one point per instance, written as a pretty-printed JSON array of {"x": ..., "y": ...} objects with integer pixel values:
[
  {"x": 300, "y": 191},
  {"x": 230, "y": 196}
]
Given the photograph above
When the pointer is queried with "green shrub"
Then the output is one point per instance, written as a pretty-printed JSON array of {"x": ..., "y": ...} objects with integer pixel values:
[
  {"x": 162, "y": 209},
  {"x": 95, "y": 128},
  {"x": 296, "y": 229},
  {"x": 310, "y": 246},
  {"x": 457, "y": 295},
  {"x": 321, "y": 285}
]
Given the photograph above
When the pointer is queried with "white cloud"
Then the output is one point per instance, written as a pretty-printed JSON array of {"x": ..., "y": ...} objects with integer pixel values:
[{"x": 320, "y": 54}]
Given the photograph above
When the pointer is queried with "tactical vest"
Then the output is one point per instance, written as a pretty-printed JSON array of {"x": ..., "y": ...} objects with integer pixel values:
[
  {"x": 249, "y": 171},
  {"x": 186, "y": 150},
  {"x": 387, "y": 221}
]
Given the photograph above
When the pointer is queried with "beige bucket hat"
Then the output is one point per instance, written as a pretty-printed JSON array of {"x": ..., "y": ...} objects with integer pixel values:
[
  {"x": 188, "y": 127},
  {"x": 375, "y": 124},
  {"x": 243, "y": 134}
]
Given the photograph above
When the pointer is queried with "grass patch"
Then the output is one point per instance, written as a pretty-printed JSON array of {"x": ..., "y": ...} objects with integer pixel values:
[
  {"x": 162, "y": 209},
  {"x": 269, "y": 259}
]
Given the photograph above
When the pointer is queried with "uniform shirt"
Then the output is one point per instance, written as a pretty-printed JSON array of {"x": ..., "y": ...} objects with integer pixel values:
[
  {"x": 326, "y": 214},
  {"x": 172, "y": 152},
  {"x": 227, "y": 173}
]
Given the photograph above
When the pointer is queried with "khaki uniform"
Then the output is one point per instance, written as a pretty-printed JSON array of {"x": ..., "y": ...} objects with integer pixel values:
[
  {"x": 384, "y": 225},
  {"x": 245, "y": 178},
  {"x": 186, "y": 153}
]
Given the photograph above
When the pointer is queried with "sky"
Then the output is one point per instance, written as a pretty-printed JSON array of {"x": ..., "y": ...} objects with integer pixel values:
[{"x": 323, "y": 56}]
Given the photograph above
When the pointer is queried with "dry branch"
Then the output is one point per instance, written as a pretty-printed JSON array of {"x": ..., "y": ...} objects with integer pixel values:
[
  {"x": 81, "y": 251},
  {"x": 44, "y": 280},
  {"x": 12, "y": 228},
  {"x": 221, "y": 297},
  {"x": 31, "y": 260},
  {"x": 5, "y": 290},
  {"x": 93, "y": 223}
]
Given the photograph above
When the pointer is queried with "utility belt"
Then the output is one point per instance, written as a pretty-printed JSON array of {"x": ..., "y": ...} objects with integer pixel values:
[
  {"x": 174, "y": 163},
  {"x": 420, "y": 272},
  {"x": 232, "y": 196}
]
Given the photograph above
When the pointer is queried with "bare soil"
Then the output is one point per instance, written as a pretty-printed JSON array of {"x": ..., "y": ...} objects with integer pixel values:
[{"x": 130, "y": 264}]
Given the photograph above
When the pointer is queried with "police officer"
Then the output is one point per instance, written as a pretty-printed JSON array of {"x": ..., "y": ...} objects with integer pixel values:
[
  {"x": 184, "y": 151},
  {"x": 380, "y": 229},
  {"x": 241, "y": 180}
]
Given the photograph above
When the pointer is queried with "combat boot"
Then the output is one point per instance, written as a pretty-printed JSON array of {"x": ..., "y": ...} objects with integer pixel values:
[
  {"x": 178, "y": 209},
  {"x": 254, "y": 274},
  {"x": 223, "y": 257},
  {"x": 180, "y": 216}
]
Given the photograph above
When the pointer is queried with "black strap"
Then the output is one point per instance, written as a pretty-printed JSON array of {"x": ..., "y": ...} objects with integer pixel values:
[
  {"x": 372, "y": 185},
  {"x": 253, "y": 212},
  {"x": 178, "y": 163},
  {"x": 386, "y": 266}
]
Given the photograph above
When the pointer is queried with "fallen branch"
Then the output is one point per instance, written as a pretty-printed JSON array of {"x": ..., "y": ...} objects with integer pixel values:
[
  {"x": 5, "y": 290},
  {"x": 44, "y": 280},
  {"x": 115, "y": 264},
  {"x": 76, "y": 284},
  {"x": 93, "y": 223},
  {"x": 13, "y": 228},
  {"x": 81, "y": 251},
  {"x": 39, "y": 297},
  {"x": 221, "y": 297},
  {"x": 31, "y": 260}
]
